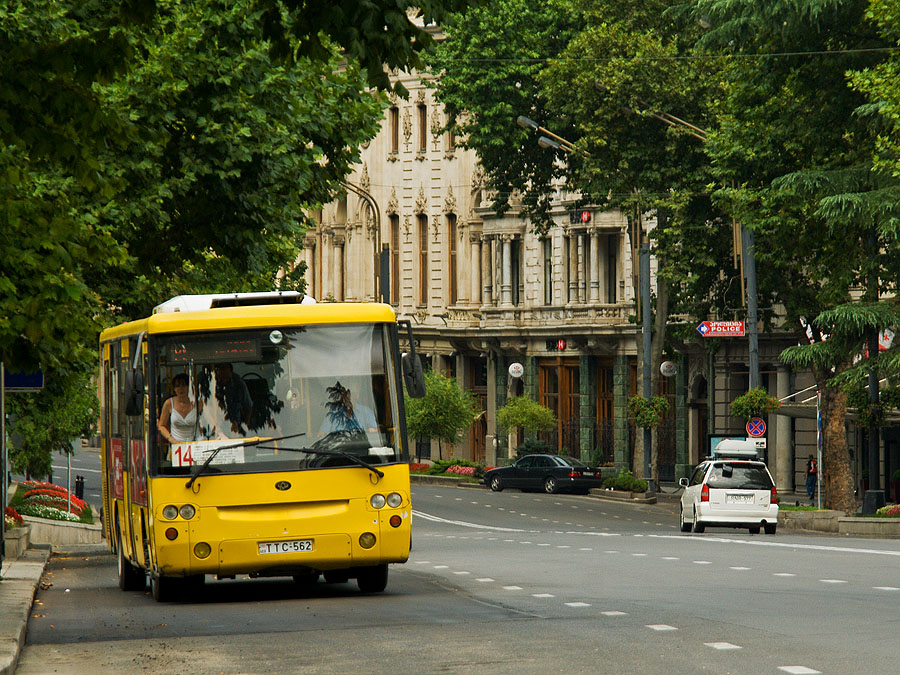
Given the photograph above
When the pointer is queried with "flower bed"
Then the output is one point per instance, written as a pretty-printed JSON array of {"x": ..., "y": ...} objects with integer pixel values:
[
  {"x": 889, "y": 511},
  {"x": 11, "y": 518},
  {"x": 40, "y": 499}
]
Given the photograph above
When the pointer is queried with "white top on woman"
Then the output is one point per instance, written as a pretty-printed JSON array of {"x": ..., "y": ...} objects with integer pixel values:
[{"x": 178, "y": 417}]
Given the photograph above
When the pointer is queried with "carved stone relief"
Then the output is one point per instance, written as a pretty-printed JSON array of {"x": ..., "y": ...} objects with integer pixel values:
[
  {"x": 407, "y": 127},
  {"x": 421, "y": 202},
  {"x": 392, "y": 202},
  {"x": 450, "y": 201}
]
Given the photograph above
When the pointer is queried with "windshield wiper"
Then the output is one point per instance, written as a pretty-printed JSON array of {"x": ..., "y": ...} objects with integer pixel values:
[
  {"x": 242, "y": 444},
  {"x": 331, "y": 453}
]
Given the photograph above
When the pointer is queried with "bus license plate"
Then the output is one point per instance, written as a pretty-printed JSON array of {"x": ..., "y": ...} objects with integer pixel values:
[{"x": 295, "y": 546}]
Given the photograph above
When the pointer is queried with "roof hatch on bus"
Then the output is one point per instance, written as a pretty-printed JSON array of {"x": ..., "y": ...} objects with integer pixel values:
[{"x": 201, "y": 302}]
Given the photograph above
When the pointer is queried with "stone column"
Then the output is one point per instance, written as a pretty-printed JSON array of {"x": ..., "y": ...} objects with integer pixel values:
[
  {"x": 573, "y": 268},
  {"x": 487, "y": 270},
  {"x": 784, "y": 461},
  {"x": 595, "y": 267},
  {"x": 582, "y": 268},
  {"x": 475, "y": 240},
  {"x": 339, "y": 269},
  {"x": 506, "y": 278}
]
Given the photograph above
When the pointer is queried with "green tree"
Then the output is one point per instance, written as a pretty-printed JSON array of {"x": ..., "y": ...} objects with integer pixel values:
[
  {"x": 443, "y": 413},
  {"x": 520, "y": 412},
  {"x": 66, "y": 409},
  {"x": 793, "y": 152}
]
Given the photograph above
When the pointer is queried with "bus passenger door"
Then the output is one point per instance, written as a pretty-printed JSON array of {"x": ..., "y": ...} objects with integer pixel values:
[{"x": 134, "y": 453}]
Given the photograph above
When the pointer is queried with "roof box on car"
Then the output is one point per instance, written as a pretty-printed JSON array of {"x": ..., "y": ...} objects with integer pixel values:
[{"x": 732, "y": 448}]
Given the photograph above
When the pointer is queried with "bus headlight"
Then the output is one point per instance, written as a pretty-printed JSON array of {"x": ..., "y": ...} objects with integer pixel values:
[
  {"x": 202, "y": 550},
  {"x": 377, "y": 501},
  {"x": 394, "y": 500},
  {"x": 187, "y": 511},
  {"x": 170, "y": 512},
  {"x": 367, "y": 540}
]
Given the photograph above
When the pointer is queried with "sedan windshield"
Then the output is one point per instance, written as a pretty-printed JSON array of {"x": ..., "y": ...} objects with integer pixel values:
[{"x": 256, "y": 397}]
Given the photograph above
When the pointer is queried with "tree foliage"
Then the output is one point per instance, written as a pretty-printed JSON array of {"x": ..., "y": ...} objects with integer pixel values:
[
  {"x": 520, "y": 412},
  {"x": 47, "y": 421},
  {"x": 443, "y": 413},
  {"x": 149, "y": 148}
]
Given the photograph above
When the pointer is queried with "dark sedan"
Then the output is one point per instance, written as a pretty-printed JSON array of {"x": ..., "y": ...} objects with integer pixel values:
[{"x": 548, "y": 473}]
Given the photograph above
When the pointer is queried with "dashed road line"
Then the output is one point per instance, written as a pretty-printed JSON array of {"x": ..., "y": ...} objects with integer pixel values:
[
  {"x": 660, "y": 626},
  {"x": 722, "y": 645}
]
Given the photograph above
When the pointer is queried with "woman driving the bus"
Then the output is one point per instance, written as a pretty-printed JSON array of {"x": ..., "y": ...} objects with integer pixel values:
[{"x": 178, "y": 419}]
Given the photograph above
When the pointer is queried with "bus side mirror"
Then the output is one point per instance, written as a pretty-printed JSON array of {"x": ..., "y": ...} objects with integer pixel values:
[
  {"x": 134, "y": 392},
  {"x": 413, "y": 375}
]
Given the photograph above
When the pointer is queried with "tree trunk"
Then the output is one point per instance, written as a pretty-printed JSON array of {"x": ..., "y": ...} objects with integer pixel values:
[{"x": 838, "y": 480}]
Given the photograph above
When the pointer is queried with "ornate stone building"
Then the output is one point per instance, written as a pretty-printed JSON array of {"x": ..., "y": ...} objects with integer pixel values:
[{"x": 482, "y": 292}]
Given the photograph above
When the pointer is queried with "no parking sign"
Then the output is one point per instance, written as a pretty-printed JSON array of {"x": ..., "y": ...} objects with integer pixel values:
[{"x": 756, "y": 427}]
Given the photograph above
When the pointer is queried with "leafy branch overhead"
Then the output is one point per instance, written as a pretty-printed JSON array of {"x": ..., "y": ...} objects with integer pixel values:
[
  {"x": 755, "y": 403},
  {"x": 648, "y": 413}
]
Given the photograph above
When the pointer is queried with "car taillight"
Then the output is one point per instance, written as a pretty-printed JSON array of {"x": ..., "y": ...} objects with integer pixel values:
[
  {"x": 774, "y": 498},
  {"x": 574, "y": 474},
  {"x": 704, "y": 493}
]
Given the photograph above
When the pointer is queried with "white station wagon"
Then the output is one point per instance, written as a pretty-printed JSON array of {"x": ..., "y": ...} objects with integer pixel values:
[{"x": 729, "y": 492}]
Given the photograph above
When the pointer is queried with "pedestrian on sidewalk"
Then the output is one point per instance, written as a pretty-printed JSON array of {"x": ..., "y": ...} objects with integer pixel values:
[{"x": 812, "y": 475}]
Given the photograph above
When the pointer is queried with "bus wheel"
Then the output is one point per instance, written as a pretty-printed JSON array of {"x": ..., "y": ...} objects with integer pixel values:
[
  {"x": 130, "y": 577},
  {"x": 166, "y": 589},
  {"x": 372, "y": 579}
]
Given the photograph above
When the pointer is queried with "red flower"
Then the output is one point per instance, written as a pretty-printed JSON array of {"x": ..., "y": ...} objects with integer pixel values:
[{"x": 11, "y": 513}]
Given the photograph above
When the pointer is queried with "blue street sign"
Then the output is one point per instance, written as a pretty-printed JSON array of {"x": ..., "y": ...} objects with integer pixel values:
[{"x": 23, "y": 382}]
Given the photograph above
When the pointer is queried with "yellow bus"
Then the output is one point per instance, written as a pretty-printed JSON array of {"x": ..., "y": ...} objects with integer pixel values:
[{"x": 256, "y": 434}]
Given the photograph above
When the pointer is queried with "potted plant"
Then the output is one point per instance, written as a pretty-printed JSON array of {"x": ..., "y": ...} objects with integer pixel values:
[{"x": 755, "y": 403}]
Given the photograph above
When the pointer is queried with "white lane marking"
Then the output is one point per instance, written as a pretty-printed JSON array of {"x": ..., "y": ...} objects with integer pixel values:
[
  {"x": 798, "y": 670},
  {"x": 462, "y": 523},
  {"x": 639, "y": 555},
  {"x": 461, "y": 573},
  {"x": 542, "y": 595},
  {"x": 886, "y": 588},
  {"x": 703, "y": 562},
  {"x": 832, "y": 581},
  {"x": 485, "y": 580},
  {"x": 441, "y": 567},
  {"x": 721, "y": 645},
  {"x": 74, "y": 468},
  {"x": 783, "y": 574},
  {"x": 763, "y": 542},
  {"x": 669, "y": 557},
  {"x": 660, "y": 626},
  {"x": 739, "y": 569},
  {"x": 577, "y": 604},
  {"x": 614, "y": 613},
  {"x": 422, "y": 562},
  {"x": 512, "y": 588},
  {"x": 563, "y": 546},
  {"x": 585, "y": 549}
]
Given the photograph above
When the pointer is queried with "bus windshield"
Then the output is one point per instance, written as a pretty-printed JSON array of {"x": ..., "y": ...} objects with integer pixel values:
[{"x": 274, "y": 399}]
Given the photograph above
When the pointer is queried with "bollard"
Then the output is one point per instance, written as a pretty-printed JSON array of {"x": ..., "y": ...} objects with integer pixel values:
[{"x": 79, "y": 487}]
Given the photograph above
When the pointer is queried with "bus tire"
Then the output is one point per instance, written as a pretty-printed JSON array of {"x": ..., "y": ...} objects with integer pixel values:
[
  {"x": 372, "y": 579},
  {"x": 166, "y": 589},
  {"x": 130, "y": 577}
]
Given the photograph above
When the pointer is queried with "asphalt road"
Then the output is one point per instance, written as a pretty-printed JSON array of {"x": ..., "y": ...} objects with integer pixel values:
[{"x": 502, "y": 583}]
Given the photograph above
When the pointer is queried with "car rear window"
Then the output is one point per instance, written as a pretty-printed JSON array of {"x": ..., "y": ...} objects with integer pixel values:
[{"x": 734, "y": 475}]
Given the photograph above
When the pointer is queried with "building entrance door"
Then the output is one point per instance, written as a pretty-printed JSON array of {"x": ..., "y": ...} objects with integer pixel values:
[{"x": 558, "y": 382}]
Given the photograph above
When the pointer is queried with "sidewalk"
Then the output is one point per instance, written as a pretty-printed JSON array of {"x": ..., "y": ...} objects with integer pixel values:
[{"x": 19, "y": 581}]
